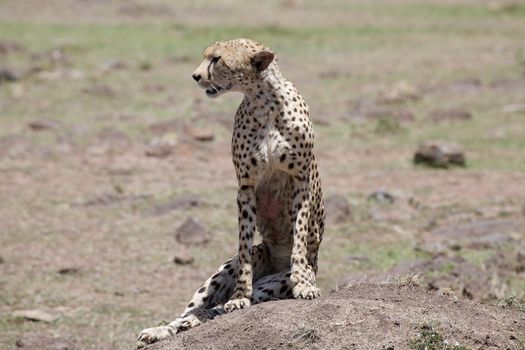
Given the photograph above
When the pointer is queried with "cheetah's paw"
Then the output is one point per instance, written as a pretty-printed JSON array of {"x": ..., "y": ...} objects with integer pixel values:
[
  {"x": 237, "y": 304},
  {"x": 306, "y": 291},
  {"x": 187, "y": 322},
  {"x": 154, "y": 334}
]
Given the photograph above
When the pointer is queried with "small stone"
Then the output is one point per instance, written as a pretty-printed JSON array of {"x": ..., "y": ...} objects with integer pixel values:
[
  {"x": 382, "y": 196},
  {"x": 337, "y": 209},
  {"x": 7, "y": 75},
  {"x": 400, "y": 92},
  {"x": 440, "y": 154},
  {"x": 35, "y": 315},
  {"x": 192, "y": 232},
  {"x": 70, "y": 270},
  {"x": 198, "y": 134},
  {"x": 2, "y": 260},
  {"x": 183, "y": 258},
  {"x": 159, "y": 150},
  {"x": 448, "y": 114},
  {"x": 161, "y": 147},
  {"x": 45, "y": 124}
]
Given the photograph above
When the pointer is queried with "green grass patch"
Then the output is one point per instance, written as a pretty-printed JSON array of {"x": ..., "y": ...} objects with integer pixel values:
[{"x": 381, "y": 256}]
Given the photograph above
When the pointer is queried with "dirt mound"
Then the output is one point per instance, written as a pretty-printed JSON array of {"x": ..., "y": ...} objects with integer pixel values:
[{"x": 363, "y": 316}]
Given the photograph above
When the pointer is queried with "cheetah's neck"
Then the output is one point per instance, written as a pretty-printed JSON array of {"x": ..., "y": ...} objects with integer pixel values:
[{"x": 270, "y": 83}]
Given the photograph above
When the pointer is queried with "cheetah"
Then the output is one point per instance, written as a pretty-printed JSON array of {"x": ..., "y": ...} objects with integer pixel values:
[{"x": 279, "y": 189}]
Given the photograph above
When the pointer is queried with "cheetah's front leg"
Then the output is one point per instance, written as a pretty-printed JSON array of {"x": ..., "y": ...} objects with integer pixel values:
[
  {"x": 247, "y": 217},
  {"x": 303, "y": 275}
]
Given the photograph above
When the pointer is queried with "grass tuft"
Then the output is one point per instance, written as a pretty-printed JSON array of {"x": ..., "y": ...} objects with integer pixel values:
[
  {"x": 409, "y": 280},
  {"x": 511, "y": 301},
  {"x": 306, "y": 335},
  {"x": 430, "y": 339}
]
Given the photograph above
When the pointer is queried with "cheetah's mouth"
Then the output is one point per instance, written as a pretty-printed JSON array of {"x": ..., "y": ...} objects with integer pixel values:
[{"x": 215, "y": 90}]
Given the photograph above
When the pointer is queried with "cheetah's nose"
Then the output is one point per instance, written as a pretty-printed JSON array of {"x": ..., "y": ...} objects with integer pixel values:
[{"x": 196, "y": 77}]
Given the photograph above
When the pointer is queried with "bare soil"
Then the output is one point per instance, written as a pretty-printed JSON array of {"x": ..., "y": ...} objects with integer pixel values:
[{"x": 363, "y": 316}]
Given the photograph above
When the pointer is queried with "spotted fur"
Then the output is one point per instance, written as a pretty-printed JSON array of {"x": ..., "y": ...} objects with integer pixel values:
[{"x": 279, "y": 190}]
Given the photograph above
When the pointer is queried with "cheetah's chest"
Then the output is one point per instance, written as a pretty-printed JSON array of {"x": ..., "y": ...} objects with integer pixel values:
[
  {"x": 268, "y": 146},
  {"x": 273, "y": 186}
]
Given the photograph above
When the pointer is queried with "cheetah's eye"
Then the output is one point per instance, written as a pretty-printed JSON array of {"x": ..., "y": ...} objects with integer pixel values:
[{"x": 215, "y": 59}]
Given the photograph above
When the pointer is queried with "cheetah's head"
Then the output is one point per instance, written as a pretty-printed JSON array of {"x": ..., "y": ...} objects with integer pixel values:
[{"x": 233, "y": 65}]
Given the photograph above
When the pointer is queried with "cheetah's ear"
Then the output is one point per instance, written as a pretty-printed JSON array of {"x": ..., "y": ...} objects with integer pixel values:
[{"x": 262, "y": 59}]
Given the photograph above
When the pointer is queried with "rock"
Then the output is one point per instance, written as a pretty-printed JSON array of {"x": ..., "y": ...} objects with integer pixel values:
[
  {"x": 35, "y": 315},
  {"x": 70, "y": 270},
  {"x": 7, "y": 75},
  {"x": 183, "y": 258},
  {"x": 182, "y": 202},
  {"x": 337, "y": 209},
  {"x": 192, "y": 232},
  {"x": 159, "y": 150},
  {"x": 448, "y": 114},
  {"x": 2, "y": 260},
  {"x": 399, "y": 92},
  {"x": 514, "y": 108},
  {"x": 382, "y": 196},
  {"x": 440, "y": 154},
  {"x": 162, "y": 147},
  {"x": 198, "y": 134},
  {"x": 45, "y": 124},
  {"x": 44, "y": 342}
]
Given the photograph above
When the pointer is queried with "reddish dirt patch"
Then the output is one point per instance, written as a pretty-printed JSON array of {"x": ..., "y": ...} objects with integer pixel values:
[{"x": 358, "y": 317}]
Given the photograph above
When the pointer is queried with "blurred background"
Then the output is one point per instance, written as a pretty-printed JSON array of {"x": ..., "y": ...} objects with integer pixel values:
[{"x": 117, "y": 192}]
